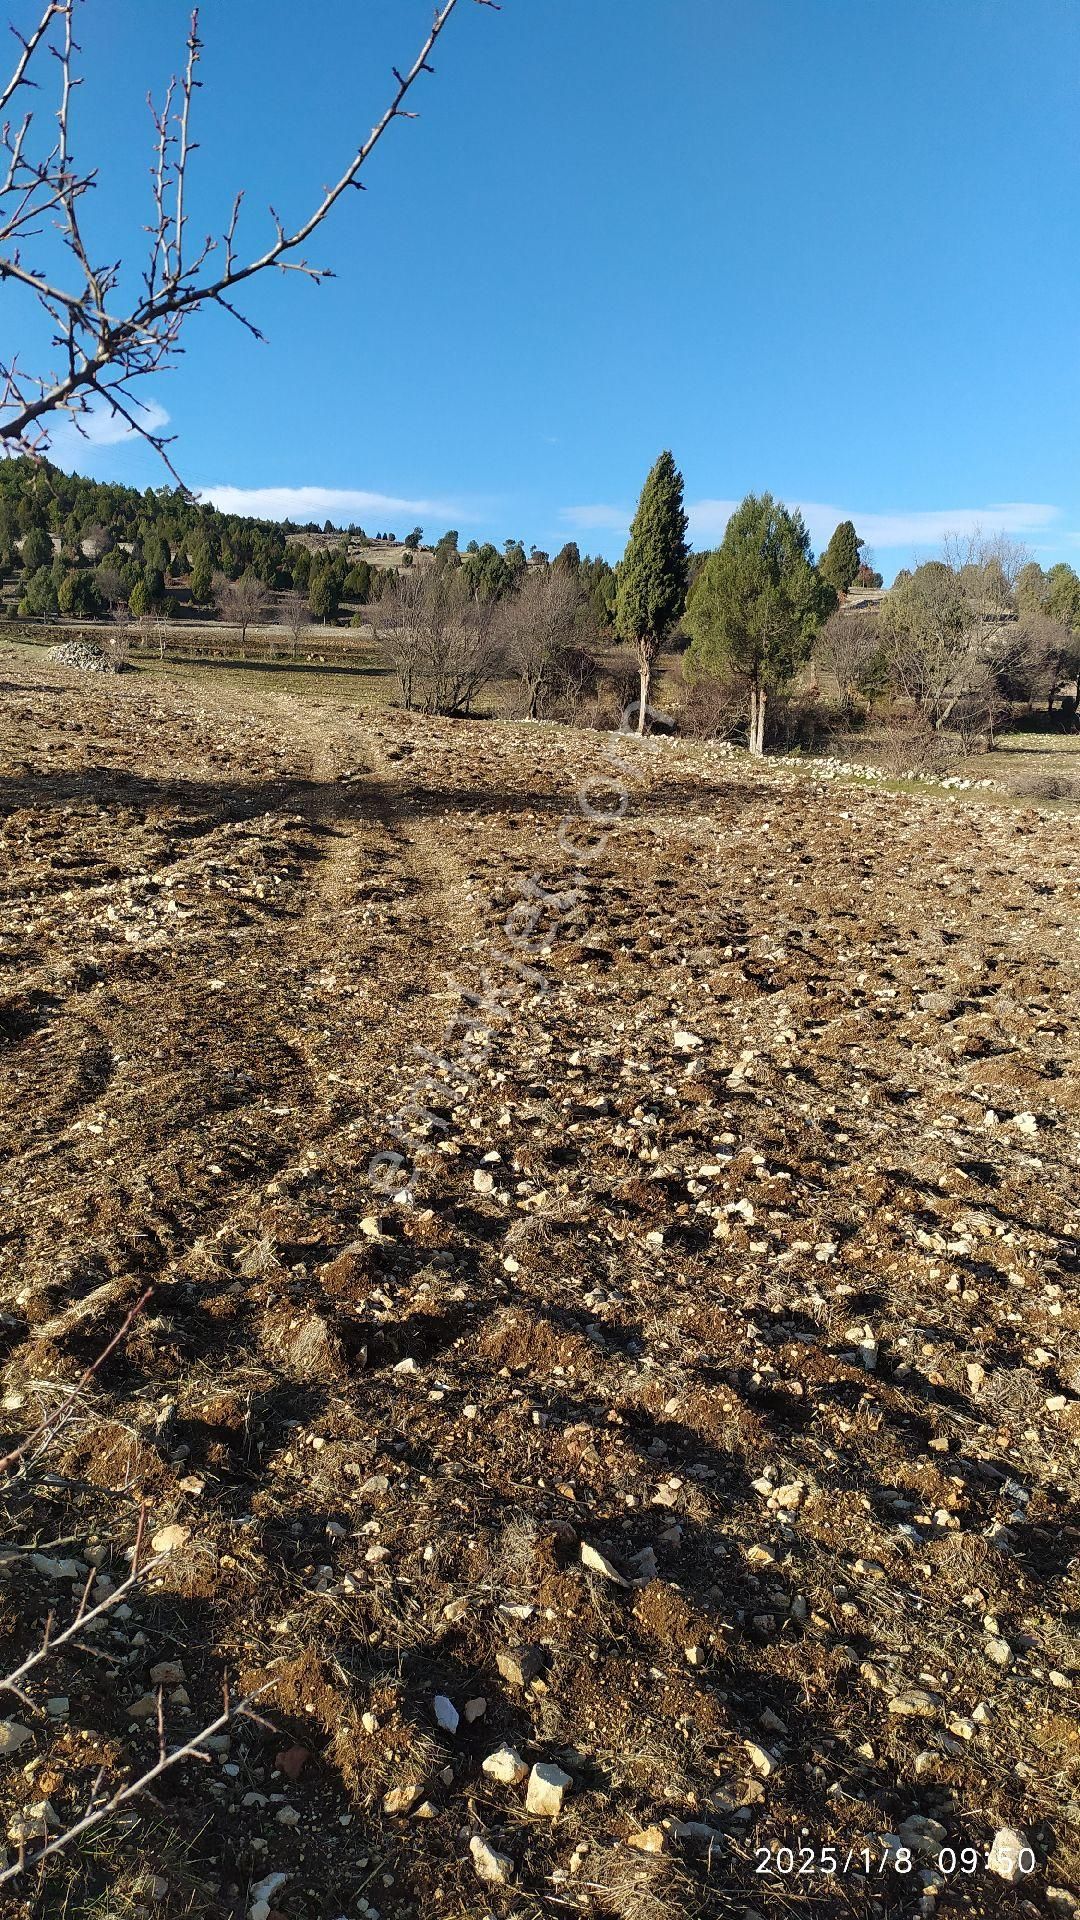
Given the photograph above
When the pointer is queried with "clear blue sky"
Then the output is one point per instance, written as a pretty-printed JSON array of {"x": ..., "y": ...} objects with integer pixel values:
[{"x": 827, "y": 247}]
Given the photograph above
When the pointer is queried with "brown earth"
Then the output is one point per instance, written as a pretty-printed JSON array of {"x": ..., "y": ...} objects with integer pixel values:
[{"x": 741, "y": 1247}]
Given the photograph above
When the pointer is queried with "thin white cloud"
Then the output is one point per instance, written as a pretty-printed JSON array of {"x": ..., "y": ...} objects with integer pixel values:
[
  {"x": 101, "y": 427},
  {"x": 617, "y": 518},
  {"x": 887, "y": 531},
  {"x": 339, "y": 504}
]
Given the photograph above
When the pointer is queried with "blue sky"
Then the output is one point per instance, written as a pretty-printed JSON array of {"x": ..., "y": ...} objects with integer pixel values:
[{"x": 827, "y": 247}]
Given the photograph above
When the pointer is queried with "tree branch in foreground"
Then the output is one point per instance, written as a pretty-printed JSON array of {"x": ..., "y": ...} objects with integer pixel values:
[{"x": 102, "y": 349}]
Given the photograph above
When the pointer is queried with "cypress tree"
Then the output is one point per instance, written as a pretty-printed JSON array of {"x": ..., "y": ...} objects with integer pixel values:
[
  {"x": 651, "y": 579},
  {"x": 839, "y": 564}
]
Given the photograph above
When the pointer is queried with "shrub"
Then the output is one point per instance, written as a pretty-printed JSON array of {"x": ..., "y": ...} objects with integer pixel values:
[
  {"x": 805, "y": 722},
  {"x": 912, "y": 745},
  {"x": 712, "y": 709}
]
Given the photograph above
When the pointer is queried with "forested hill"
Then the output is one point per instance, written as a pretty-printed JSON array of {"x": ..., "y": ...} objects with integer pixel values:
[{"x": 79, "y": 546}]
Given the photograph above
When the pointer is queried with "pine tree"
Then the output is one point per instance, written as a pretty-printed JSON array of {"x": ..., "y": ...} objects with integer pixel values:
[
  {"x": 1063, "y": 595},
  {"x": 140, "y": 602},
  {"x": 756, "y": 604},
  {"x": 651, "y": 579},
  {"x": 839, "y": 564},
  {"x": 36, "y": 550},
  {"x": 324, "y": 594},
  {"x": 202, "y": 580}
]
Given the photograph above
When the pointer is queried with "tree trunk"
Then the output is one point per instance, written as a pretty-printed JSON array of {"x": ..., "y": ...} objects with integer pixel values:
[
  {"x": 645, "y": 667},
  {"x": 757, "y": 721}
]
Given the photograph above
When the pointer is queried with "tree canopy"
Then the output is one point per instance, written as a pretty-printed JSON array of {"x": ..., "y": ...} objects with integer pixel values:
[
  {"x": 651, "y": 578},
  {"x": 757, "y": 603}
]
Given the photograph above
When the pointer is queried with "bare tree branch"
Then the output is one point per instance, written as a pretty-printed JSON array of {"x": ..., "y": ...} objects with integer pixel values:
[
  {"x": 95, "y": 1814},
  {"x": 103, "y": 350},
  {"x": 12, "y": 1682}
]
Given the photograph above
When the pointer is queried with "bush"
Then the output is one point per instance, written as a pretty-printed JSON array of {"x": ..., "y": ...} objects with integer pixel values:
[
  {"x": 913, "y": 746},
  {"x": 573, "y": 681},
  {"x": 804, "y": 723},
  {"x": 1048, "y": 786},
  {"x": 712, "y": 709}
]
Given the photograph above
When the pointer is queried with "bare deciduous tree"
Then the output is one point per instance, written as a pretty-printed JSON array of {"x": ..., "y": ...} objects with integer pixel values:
[
  {"x": 106, "y": 338},
  {"x": 468, "y": 653},
  {"x": 402, "y": 625},
  {"x": 295, "y": 615},
  {"x": 1046, "y": 657},
  {"x": 850, "y": 649},
  {"x": 240, "y": 602},
  {"x": 443, "y": 639},
  {"x": 539, "y": 623},
  {"x": 927, "y": 631},
  {"x": 111, "y": 588}
]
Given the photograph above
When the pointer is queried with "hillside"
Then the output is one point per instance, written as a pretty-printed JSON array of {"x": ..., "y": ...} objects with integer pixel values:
[{"x": 704, "y": 1427}]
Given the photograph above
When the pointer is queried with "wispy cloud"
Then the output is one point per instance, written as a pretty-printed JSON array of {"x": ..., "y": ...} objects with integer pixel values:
[
  {"x": 924, "y": 528},
  {"x": 587, "y": 518},
  {"x": 100, "y": 427},
  {"x": 333, "y": 503},
  {"x": 888, "y": 531}
]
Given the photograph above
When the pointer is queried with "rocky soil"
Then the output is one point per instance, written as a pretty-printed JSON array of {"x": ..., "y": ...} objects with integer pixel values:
[{"x": 672, "y": 1460}]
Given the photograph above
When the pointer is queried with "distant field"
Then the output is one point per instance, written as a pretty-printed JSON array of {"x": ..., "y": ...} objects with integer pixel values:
[{"x": 349, "y": 665}]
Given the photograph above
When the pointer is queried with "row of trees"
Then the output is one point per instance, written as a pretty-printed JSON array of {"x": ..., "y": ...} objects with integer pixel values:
[
  {"x": 453, "y": 628},
  {"x": 964, "y": 637},
  {"x": 954, "y": 642},
  {"x": 754, "y": 604}
]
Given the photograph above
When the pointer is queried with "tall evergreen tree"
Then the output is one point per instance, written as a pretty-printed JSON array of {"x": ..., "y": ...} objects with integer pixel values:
[
  {"x": 756, "y": 604},
  {"x": 1063, "y": 595},
  {"x": 36, "y": 550},
  {"x": 202, "y": 580},
  {"x": 324, "y": 594},
  {"x": 839, "y": 564},
  {"x": 651, "y": 578}
]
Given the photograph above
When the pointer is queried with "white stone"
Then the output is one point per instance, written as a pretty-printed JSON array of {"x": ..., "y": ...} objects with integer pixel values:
[
  {"x": 445, "y": 1713},
  {"x": 262, "y": 1894},
  {"x": 505, "y": 1765},
  {"x": 401, "y": 1799},
  {"x": 548, "y": 1786},
  {"x": 168, "y": 1539},
  {"x": 496, "y": 1867},
  {"x": 13, "y": 1735},
  {"x": 35, "y": 1822},
  {"x": 1004, "y": 1856},
  {"x": 597, "y": 1563},
  {"x": 684, "y": 1042}
]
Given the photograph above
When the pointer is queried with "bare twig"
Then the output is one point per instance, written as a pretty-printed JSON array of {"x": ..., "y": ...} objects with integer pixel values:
[
  {"x": 192, "y": 1749},
  {"x": 103, "y": 349},
  {"x": 50, "y": 1425},
  {"x": 51, "y": 1643}
]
